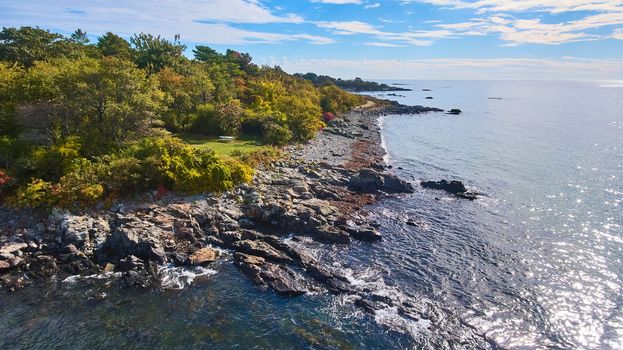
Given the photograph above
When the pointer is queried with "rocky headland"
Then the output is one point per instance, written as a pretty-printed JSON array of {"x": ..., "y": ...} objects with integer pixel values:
[{"x": 315, "y": 192}]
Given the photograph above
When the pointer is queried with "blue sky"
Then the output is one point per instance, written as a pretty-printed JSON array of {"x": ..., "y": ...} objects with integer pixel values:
[{"x": 410, "y": 39}]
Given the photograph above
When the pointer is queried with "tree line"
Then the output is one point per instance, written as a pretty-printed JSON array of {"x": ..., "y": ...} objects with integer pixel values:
[{"x": 81, "y": 121}]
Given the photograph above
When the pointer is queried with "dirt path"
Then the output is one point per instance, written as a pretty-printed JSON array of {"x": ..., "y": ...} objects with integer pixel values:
[{"x": 368, "y": 104}]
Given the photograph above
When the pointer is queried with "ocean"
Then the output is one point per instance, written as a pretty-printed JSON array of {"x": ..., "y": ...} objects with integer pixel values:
[{"x": 534, "y": 263}]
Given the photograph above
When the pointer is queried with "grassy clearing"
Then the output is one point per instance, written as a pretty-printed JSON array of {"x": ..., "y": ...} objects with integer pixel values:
[{"x": 222, "y": 148}]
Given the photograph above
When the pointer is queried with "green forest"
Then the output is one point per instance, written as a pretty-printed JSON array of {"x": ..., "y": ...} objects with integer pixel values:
[{"x": 85, "y": 122}]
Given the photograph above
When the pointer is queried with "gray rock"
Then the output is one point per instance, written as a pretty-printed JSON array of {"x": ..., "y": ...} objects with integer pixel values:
[
  {"x": 281, "y": 279},
  {"x": 136, "y": 237},
  {"x": 394, "y": 184},
  {"x": 260, "y": 249},
  {"x": 367, "y": 234},
  {"x": 366, "y": 181},
  {"x": 330, "y": 234}
]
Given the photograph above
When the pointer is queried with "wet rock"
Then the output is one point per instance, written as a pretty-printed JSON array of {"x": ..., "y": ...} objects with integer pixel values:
[
  {"x": 449, "y": 186},
  {"x": 367, "y": 233},
  {"x": 130, "y": 263},
  {"x": 371, "y": 181},
  {"x": 366, "y": 181},
  {"x": 328, "y": 234},
  {"x": 280, "y": 278},
  {"x": 455, "y": 111},
  {"x": 394, "y": 184},
  {"x": 177, "y": 258},
  {"x": 42, "y": 266},
  {"x": 203, "y": 256},
  {"x": 261, "y": 249},
  {"x": 456, "y": 188}
]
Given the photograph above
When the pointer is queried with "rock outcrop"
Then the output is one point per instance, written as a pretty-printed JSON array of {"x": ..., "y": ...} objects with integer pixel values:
[{"x": 454, "y": 187}]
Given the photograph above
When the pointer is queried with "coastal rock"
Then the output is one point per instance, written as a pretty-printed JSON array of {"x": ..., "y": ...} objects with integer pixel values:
[
  {"x": 366, "y": 181},
  {"x": 366, "y": 234},
  {"x": 260, "y": 249},
  {"x": 394, "y": 184},
  {"x": 42, "y": 266},
  {"x": 203, "y": 256},
  {"x": 455, "y": 111},
  {"x": 329, "y": 234},
  {"x": 454, "y": 187},
  {"x": 86, "y": 233},
  {"x": 371, "y": 181},
  {"x": 449, "y": 186},
  {"x": 281, "y": 279},
  {"x": 136, "y": 237},
  {"x": 4, "y": 266},
  {"x": 13, "y": 248}
]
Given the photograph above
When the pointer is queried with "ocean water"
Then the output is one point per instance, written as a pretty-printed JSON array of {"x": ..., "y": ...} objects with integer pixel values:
[{"x": 534, "y": 263}]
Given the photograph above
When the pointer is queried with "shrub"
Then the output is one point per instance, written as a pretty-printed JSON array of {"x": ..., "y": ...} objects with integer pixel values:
[
  {"x": 276, "y": 134},
  {"x": 262, "y": 156},
  {"x": 37, "y": 193},
  {"x": 5, "y": 179},
  {"x": 328, "y": 117},
  {"x": 221, "y": 119}
]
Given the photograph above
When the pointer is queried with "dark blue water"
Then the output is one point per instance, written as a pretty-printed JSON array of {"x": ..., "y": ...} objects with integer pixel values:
[{"x": 535, "y": 263}]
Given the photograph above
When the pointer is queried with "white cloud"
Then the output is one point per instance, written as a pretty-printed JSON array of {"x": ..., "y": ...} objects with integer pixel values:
[
  {"x": 461, "y": 68},
  {"x": 196, "y": 21},
  {"x": 372, "y": 6},
  {"x": 533, "y": 31},
  {"x": 381, "y": 44},
  {"x": 397, "y": 39},
  {"x": 552, "y": 6},
  {"x": 618, "y": 34}
]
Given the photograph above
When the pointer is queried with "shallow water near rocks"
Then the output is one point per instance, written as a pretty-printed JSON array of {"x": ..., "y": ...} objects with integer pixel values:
[{"x": 535, "y": 263}]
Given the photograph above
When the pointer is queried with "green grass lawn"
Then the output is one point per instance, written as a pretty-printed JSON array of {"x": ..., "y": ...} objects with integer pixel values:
[{"x": 242, "y": 143}]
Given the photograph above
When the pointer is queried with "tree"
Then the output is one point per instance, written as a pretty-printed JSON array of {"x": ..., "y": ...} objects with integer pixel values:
[
  {"x": 104, "y": 101},
  {"x": 79, "y": 37},
  {"x": 27, "y": 45},
  {"x": 154, "y": 53},
  {"x": 113, "y": 45},
  {"x": 188, "y": 87},
  {"x": 243, "y": 60},
  {"x": 207, "y": 54}
]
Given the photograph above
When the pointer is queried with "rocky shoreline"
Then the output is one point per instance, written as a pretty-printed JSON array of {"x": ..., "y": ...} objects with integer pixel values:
[
  {"x": 314, "y": 196},
  {"x": 315, "y": 192}
]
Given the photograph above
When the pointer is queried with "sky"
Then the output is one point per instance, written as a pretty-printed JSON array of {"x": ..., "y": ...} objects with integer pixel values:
[{"x": 372, "y": 39}]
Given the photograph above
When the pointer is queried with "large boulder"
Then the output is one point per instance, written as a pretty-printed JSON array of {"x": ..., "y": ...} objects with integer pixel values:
[
  {"x": 371, "y": 181},
  {"x": 366, "y": 181},
  {"x": 86, "y": 233},
  {"x": 449, "y": 186},
  {"x": 203, "y": 256},
  {"x": 136, "y": 237},
  {"x": 457, "y": 188},
  {"x": 394, "y": 184}
]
